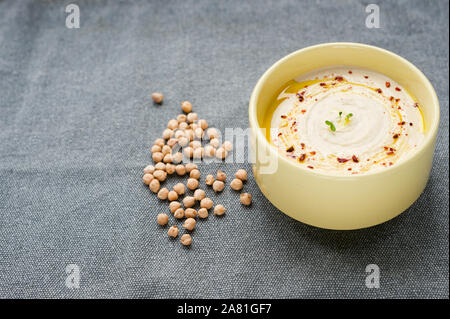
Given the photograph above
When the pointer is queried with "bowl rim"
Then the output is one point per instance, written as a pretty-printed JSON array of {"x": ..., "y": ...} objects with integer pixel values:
[{"x": 429, "y": 138}]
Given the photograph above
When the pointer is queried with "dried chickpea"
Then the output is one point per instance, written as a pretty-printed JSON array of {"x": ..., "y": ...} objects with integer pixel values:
[
  {"x": 241, "y": 174},
  {"x": 188, "y": 152},
  {"x": 147, "y": 178},
  {"x": 166, "y": 150},
  {"x": 186, "y": 106},
  {"x": 172, "y": 142},
  {"x": 190, "y": 167},
  {"x": 209, "y": 180},
  {"x": 218, "y": 186},
  {"x": 173, "y": 231},
  {"x": 162, "y": 219},
  {"x": 193, "y": 126},
  {"x": 178, "y": 134},
  {"x": 179, "y": 188},
  {"x": 219, "y": 210},
  {"x": 186, "y": 240},
  {"x": 155, "y": 149},
  {"x": 149, "y": 169},
  {"x": 172, "y": 195},
  {"x": 192, "y": 117},
  {"x": 189, "y": 224},
  {"x": 246, "y": 199},
  {"x": 198, "y": 132},
  {"x": 188, "y": 201},
  {"x": 181, "y": 118},
  {"x": 173, "y": 206},
  {"x": 199, "y": 194},
  {"x": 192, "y": 183},
  {"x": 157, "y": 97},
  {"x": 183, "y": 141},
  {"x": 221, "y": 176},
  {"x": 202, "y": 213},
  {"x": 167, "y": 133},
  {"x": 195, "y": 173},
  {"x": 167, "y": 158},
  {"x": 210, "y": 151},
  {"x": 206, "y": 203},
  {"x": 160, "y": 175},
  {"x": 190, "y": 213},
  {"x": 214, "y": 142},
  {"x": 177, "y": 157},
  {"x": 179, "y": 213},
  {"x": 189, "y": 134},
  {"x": 154, "y": 185},
  {"x": 212, "y": 133},
  {"x": 198, "y": 153},
  {"x": 160, "y": 166},
  {"x": 159, "y": 142},
  {"x": 162, "y": 194},
  {"x": 221, "y": 153},
  {"x": 236, "y": 184},
  {"x": 157, "y": 157},
  {"x": 170, "y": 168},
  {"x": 183, "y": 126},
  {"x": 172, "y": 124},
  {"x": 203, "y": 124},
  {"x": 195, "y": 144},
  {"x": 180, "y": 169}
]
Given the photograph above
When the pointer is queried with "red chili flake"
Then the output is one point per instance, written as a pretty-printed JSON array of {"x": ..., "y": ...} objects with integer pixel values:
[
  {"x": 397, "y": 100},
  {"x": 313, "y": 153},
  {"x": 392, "y": 149},
  {"x": 366, "y": 77},
  {"x": 302, "y": 158},
  {"x": 279, "y": 134},
  {"x": 396, "y": 136},
  {"x": 398, "y": 89},
  {"x": 295, "y": 130},
  {"x": 390, "y": 153},
  {"x": 379, "y": 91},
  {"x": 390, "y": 163},
  {"x": 388, "y": 84},
  {"x": 401, "y": 123},
  {"x": 283, "y": 116},
  {"x": 342, "y": 160},
  {"x": 339, "y": 78},
  {"x": 416, "y": 105},
  {"x": 349, "y": 169},
  {"x": 302, "y": 93},
  {"x": 334, "y": 83},
  {"x": 411, "y": 124},
  {"x": 386, "y": 148},
  {"x": 322, "y": 84},
  {"x": 302, "y": 145},
  {"x": 300, "y": 98},
  {"x": 290, "y": 149},
  {"x": 350, "y": 72},
  {"x": 303, "y": 111},
  {"x": 309, "y": 166},
  {"x": 355, "y": 159},
  {"x": 391, "y": 98}
]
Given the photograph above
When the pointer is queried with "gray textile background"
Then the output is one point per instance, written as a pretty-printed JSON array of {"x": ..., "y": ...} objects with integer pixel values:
[{"x": 76, "y": 123}]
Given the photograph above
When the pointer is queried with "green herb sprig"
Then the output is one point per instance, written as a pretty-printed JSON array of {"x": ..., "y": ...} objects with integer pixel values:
[{"x": 331, "y": 125}]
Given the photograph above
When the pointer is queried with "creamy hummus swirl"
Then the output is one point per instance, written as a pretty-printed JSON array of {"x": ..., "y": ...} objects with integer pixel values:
[{"x": 346, "y": 120}]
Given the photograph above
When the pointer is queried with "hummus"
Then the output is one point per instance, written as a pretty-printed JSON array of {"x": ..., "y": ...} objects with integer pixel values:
[{"x": 345, "y": 120}]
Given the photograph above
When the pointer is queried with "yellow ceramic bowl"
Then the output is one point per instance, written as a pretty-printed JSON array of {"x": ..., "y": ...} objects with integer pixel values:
[{"x": 341, "y": 202}]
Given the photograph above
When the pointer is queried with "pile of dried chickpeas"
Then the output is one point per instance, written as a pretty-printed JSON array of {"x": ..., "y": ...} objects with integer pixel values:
[{"x": 182, "y": 140}]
